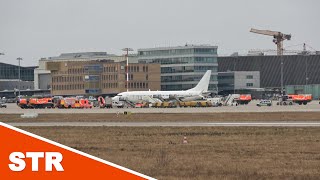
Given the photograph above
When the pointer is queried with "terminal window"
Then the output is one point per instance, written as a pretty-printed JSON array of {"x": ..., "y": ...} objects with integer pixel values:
[
  {"x": 249, "y": 84},
  {"x": 249, "y": 76}
]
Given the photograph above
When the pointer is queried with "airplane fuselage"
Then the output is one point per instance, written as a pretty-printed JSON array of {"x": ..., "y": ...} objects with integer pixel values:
[
  {"x": 162, "y": 94},
  {"x": 193, "y": 93}
]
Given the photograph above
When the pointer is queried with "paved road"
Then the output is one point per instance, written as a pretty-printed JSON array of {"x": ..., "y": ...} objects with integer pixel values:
[
  {"x": 172, "y": 124},
  {"x": 314, "y": 106}
]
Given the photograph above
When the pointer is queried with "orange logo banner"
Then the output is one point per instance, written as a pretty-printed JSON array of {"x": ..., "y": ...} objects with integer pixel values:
[{"x": 24, "y": 155}]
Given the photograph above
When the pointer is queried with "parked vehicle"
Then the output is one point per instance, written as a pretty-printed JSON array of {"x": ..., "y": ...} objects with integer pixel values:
[
  {"x": 119, "y": 104},
  {"x": 40, "y": 102},
  {"x": 3, "y": 105},
  {"x": 195, "y": 104},
  {"x": 105, "y": 102},
  {"x": 67, "y": 102},
  {"x": 264, "y": 103},
  {"x": 91, "y": 98},
  {"x": 85, "y": 103},
  {"x": 141, "y": 105},
  {"x": 285, "y": 100},
  {"x": 23, "y": 103},
  {"x": 35, "y": 102},
  {"x": 216, "y": 101},
  {"x": 300, "y": 98},
  {"x": 244, "y": 99},
  {"x": 231, "y": 100}
]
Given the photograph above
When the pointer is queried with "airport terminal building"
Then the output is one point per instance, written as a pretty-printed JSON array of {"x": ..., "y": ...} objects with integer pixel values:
[
  {"x": 297, "y": 69},
  {"x": 96, "y": 76},
  {"x": 9, "y": 77},
  {"x": 42, "y": 76},
  {"x": 232, "y": 82},
  {"x": 183, "y": 66}
]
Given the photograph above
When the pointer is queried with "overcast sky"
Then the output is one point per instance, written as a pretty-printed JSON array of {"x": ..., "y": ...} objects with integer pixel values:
[{"x": 32, "y": 29}]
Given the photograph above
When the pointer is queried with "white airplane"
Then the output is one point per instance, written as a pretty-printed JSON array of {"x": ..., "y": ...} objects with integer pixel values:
[{"x": 195, "y": 93}]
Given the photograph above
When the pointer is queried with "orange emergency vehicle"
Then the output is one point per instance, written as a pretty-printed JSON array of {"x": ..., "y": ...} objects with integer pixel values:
[
  {"x": 39, "y": 102},
  {"x": 244, "y": 99},
  {"x": 23, "y": 103},
  {"x": 300, "y": 98},
  {"x": 85, "y": 103}
]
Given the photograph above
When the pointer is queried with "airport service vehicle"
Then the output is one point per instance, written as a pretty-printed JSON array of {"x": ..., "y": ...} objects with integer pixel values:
[
  {"x": 295, "y": 98},
  {"x": 91, "y": 98},
  {"x": 300, "y": 98},
  {"x": 195, "y": 93},
  {"x": 118, "y": 104},
  {"x": 244, "y": 99},
  {"x": 216, "y": 101},
  {"x": 285, "y": 100},
  {"x": 231, "y": 100},
  {"x": 2, "y": 105},
  {"x": 195, "y": 104},
  {"x": 35, "y": 102},
  {"x": 264, "y": 103},
  {"x": 69, "y": 102},
  {"x": 165, "y": 104},
  {"x": 85, "y": 103},
  {"x": 23, "y": 103},
  {"x": 141, "y": 105},
  {"x": 105, "y": 102},
  {"x": 40, "y": 102}
]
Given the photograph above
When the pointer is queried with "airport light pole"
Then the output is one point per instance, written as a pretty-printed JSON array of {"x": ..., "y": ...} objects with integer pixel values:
[
  {"x": 19, "y": 59},
  {"x": 306, "y": 55},
  {"x": 127, "y": 69},
  {"x": 306, "y": 71},
  {"x": 281, "y": 73},
  {"x": 235, "y": 56}
]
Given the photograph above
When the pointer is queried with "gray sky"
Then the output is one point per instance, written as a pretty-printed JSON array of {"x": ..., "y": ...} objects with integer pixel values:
[{"x": 32, "y": 29}]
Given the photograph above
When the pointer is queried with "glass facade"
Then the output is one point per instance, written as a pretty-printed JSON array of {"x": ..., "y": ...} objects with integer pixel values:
[
  {"x": 8, "y": 71},
  {"x": 182, "y": 67},
  {"x": 171, "y": 51}
]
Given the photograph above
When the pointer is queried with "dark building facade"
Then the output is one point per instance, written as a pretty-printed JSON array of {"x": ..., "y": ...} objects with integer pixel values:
[
  {"x": 9, "y": 71},
  {"x": 297, "y": 69}
]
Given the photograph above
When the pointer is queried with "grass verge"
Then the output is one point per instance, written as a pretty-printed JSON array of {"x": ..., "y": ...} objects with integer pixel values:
[{"x": 211, "y": 152}]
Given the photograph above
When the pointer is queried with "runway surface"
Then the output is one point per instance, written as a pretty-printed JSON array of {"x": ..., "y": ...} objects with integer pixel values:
[{"x": 171, "y": 124}]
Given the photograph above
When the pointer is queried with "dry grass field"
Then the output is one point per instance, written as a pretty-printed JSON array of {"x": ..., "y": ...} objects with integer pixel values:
[
  {"x": 211, "y": 152},
  {"x": 168, "y": 117}
]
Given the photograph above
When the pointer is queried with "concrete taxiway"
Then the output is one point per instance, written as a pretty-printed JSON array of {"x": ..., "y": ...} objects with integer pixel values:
[
  {"x": 170, "y": 124},
  {"x": 313, "y": 106}
]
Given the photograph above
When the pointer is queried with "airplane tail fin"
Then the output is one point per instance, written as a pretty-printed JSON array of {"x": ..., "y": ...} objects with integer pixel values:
[{"x": 203, "y": 83}]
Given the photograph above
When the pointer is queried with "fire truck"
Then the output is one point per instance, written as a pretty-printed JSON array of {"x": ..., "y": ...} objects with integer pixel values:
[
  {"x": 300, "y": 98},
  {"x": 244, "y": 99},
  {"x": 36, "y": 102},
  {"x": 40, "y": 102},
  {"x": 290, "y": 99}
]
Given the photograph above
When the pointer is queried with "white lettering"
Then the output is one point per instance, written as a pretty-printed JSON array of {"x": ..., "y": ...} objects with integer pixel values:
[
  {"x": 54, "y": 158},
  {"x": 51, "y": 159},
  {"x": 15, "y": 158},
  {"x": 35, "y": 159}
]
